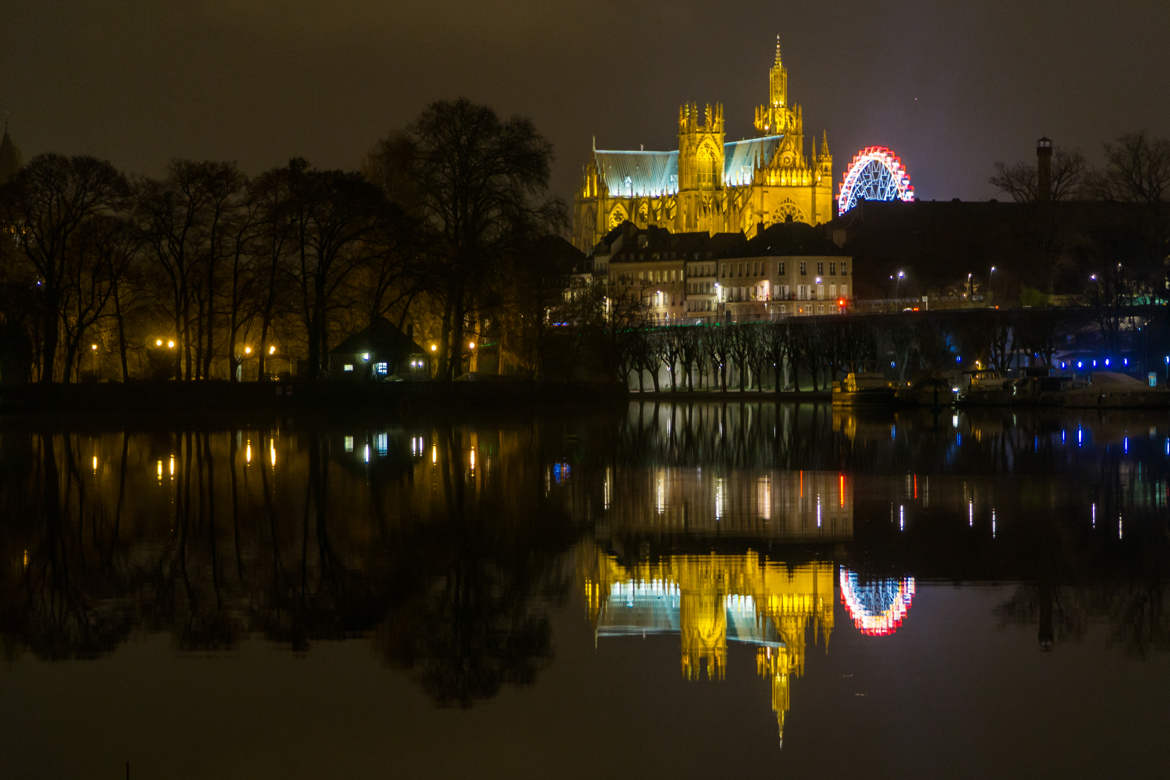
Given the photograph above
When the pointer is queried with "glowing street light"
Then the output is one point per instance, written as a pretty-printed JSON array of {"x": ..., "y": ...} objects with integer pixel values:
[
  {"x": 272, "y": 350},
  {"x": 158, "y": 342},
  {"x": 247, "y": 350},
  {"x": 171, "y": 344},
  {"x": 434, "y": 347},
  {"x": 471, "y": 345}
]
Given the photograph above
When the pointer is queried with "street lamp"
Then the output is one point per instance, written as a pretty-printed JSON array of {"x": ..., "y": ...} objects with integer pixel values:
[
  {"x": 247, "y": 350},
  {"x": 989, "y": 273}
]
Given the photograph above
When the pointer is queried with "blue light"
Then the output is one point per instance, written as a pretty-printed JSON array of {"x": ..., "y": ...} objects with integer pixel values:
[
  {"x": 1080, "y": 436},
  {"x": 958, "y": 358},
  {"x": 1094, "y": 364},
  {"x": 1125, "y": 361},
  {"x": 1080, "y": 364},
  {"x": 1063, "y": 365},
  {"x": 1106, "y": 362},
  {"x": 1125, "y": 445},
  {"x": 893, "y": 364}
]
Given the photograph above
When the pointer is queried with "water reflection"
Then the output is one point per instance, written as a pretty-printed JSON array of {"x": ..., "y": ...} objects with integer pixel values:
[
  {"x": 710, "y": 600},
  {"x": 446, "y": 569},
  {"x": 451, "y": 551}
]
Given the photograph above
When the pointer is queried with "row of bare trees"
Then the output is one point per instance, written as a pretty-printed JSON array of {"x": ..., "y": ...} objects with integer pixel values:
[
  {"x": 809, "y": 354},
  {"x": 194, "y": 270}
]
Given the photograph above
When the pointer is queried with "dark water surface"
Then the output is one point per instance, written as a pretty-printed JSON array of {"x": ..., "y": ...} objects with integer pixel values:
[{"x": 688, "y": 591}]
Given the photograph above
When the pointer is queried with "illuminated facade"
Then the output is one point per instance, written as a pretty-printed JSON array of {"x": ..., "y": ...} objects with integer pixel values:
[
  {"x": 709, "y": 183},
  {"x": 710, "y": 600}
]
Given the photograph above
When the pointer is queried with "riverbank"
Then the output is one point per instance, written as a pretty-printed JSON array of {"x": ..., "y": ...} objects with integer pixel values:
[
  {"x": 248, "y": 401},
  {"x": 810, "y": 396}
]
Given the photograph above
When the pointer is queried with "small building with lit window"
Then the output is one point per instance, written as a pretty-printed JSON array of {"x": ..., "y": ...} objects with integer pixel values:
[{"x": 380, "y": 353}]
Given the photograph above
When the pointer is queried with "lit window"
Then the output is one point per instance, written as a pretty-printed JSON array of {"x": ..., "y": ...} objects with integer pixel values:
[
  {"x": 381, "y": 369},
  {"x": 347, "y": 367},
  {"x": 349, "y": 444}
]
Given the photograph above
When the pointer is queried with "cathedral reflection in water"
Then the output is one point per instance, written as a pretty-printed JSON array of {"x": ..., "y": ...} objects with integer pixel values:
[{"x": 715, "y": 598}]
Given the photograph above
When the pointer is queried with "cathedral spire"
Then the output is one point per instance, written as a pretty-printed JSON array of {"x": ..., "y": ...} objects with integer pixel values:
[
  {"x": 9, "y": 155},
  {"x": 777, "y": 60},
  {"x": 824, "y": 143}
]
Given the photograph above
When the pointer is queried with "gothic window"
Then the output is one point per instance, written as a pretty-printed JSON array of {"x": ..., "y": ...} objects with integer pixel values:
[
  {"x": 617, "y": 216},
  {"x": 820, "y": 269}
]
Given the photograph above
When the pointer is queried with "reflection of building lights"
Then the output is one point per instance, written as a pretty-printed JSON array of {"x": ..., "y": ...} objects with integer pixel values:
[
  {"x": 901, "y": 517},
  {"x": 272, "y": 452},
  {"x": 606, "y": 488},
  {"x": 471, "y": 460},
  {"x": 248, "y": 452},
  {"x": 1093, "y": 515},
  {"x": 26, "y": 558},
  {"x": 366, "y": 453},
  {"x": 660, "y": 492},
  {"x": 841, "y": 491},
  {"x": 971, "y": 514},
  {"x": 434, "y": 454},
  {"x": 349, "y": 444},
  {"x": 158, "y": 470},
  {"x": 95, "y": 464},
  {"x": 764, "y": 497},
  {"x": 171, "y": 467},
  {"x": 993, "y": 522},
  {"x": 718, "y": 498},
  {"x": 818, "y": 510}
]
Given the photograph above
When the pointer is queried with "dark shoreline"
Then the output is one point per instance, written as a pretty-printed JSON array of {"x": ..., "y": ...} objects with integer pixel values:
[{"x": 227, "y": 403}]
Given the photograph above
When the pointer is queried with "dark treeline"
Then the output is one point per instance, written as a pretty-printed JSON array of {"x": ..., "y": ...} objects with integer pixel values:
[
  {"x": 811, "y": 353},
  {"x": 190, "y": 275}
]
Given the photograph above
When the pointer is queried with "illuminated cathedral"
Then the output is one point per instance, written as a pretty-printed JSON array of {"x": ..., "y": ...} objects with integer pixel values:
[{"x": 708, "y": 183}]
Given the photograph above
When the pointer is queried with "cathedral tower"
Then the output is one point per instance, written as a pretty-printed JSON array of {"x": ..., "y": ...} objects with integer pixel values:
[
  {"x": 700, "y": 164},
  {"x": 774, "y": 118}
]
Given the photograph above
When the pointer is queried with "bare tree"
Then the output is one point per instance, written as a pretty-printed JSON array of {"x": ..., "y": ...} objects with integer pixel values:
[
  {"x": 48, "y": 202},
  {"x": 1137, "y": 170},
  {"x": 1069, "y": 175},
  {"x": 477, "y": 182}
]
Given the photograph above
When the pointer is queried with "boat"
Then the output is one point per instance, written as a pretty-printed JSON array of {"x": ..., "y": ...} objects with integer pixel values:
[{"x": 863, "y": 389}]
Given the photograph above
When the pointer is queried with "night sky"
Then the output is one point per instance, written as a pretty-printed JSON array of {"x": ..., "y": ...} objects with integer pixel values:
[{"x": 952, "y": 87}]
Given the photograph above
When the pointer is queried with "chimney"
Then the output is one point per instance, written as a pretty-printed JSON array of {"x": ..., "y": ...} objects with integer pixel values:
[{"x": 1044, "y": 170}]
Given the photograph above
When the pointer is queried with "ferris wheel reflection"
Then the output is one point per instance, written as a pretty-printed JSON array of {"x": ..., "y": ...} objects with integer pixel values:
[{"x": 877, "y": 607}]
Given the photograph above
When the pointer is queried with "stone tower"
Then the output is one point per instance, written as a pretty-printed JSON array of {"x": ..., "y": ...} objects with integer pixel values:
[
  {"x": 700, "y": 164},
  {"x": 10, "y": 161}
]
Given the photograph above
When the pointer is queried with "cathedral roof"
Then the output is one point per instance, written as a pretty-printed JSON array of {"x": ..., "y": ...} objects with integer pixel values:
[
  {"x": 631, "y": 174},
  {"x": 637, "y": 174}
]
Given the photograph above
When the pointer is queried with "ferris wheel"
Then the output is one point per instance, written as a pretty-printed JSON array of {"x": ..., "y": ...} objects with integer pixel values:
[{"x": 875, "y": 173}]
